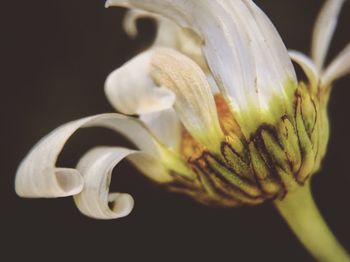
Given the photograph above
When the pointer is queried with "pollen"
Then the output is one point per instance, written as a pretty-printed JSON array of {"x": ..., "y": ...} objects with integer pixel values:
[{"x": 227, "y": 121}]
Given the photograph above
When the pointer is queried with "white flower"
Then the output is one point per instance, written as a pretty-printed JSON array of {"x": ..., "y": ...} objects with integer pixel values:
[{"x": 221, "y": 115}]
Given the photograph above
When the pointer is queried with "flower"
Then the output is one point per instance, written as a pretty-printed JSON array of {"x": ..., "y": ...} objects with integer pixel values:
[
  {"x": 221, "y": 115},
  {"x": 258, "y": 135}
]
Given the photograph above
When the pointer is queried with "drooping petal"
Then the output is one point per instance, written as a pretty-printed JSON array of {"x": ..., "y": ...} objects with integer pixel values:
[
  {"x": 338, "y": 68},
  {"x": 38, "y": 176},
  {"x": 233, "y": 64},
  {"x": 96, "y": 168},
  {"x": 131, "y": 91},
  {"x": 323, "y": 31},
  {"x": 307, "y": 65},
  {"x": 165, "y": 125},
  {"x": 194, "y": 102}
]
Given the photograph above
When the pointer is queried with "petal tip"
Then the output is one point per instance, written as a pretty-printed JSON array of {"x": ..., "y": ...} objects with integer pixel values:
[
  {"x": 110, "y": 3},
  {"x": 121, "y": 204},
  {"x": 58, "y": 182}
]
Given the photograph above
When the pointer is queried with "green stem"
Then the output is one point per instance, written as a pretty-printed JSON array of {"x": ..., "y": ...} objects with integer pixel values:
[{"x": 302, "y": 215}]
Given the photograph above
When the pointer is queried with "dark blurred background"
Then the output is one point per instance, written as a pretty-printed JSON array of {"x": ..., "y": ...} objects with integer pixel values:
[{"x": 55, "y": 58}]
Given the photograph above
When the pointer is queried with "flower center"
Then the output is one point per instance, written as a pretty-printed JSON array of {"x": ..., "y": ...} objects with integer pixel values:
[{"x": 275, "y": 159}]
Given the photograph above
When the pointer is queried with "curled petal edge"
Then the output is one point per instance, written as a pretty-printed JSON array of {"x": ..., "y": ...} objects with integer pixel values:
[
  {"x": 96, "y": 167},
  {"x": 38, "y": 176}
]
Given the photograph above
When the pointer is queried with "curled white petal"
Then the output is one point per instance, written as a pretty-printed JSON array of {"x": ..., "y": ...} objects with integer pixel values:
[
  {"x": 338, "y": 68},
  {"x": 324, "y": 29},
  {"x": 130, "y": 20},
  {"x": 96, "y": 167},
  {"x": 95, "y": 200},
  {"x": 165, "y": 125},
  {"x": 167, "y": 31},
  {"x": 307, "y": 65},
  {"x": 38, "y": 176},
  {"x": 131, "y": 91},
  {"x": 228, "y": 44},
  {"x": 194, "y": 102}
]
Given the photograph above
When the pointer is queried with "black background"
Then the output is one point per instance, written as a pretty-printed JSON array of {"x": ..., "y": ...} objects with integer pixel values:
[{"x": 55, "y": 58}]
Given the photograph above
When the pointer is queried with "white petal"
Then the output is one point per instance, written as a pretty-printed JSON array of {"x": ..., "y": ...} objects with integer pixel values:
[
  {"x": 338, "y": 68},
  {"x": 95, "y": 200},
  {"x": 272, "y": 62},
  {"x": 38, "y": 176},
  {"x": 169, "y": 34},
  {"x": 96, "y": 167},
  {"x": 167, "y": 30},
  {"x": 230, "y": 63},
  {"x": 323, "y": 31},
  {"x": 227, "y": 42},
  {"x": 165, "y": 125},
  {"x": 131, "y": 91},
  {"x": 307, "y": 65},
  {"x": 194, "y": 103},
  {"x": 130, "y": 20},
  {"x": 190, "y": 44},
  {"x": 214, "y": 87}
]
